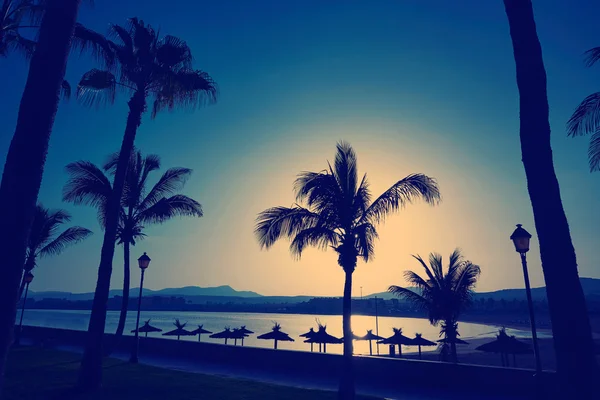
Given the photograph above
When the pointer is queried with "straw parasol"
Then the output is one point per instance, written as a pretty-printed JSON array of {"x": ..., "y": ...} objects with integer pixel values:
[
  {"x": 147, "y": 328},
  {"x": 420, "y": 341},
  {"x": 308, "y": 335},
  {"x": 277, "y": 335},
  {"x": 179, "y": 331},
  {"x": 322, "y": 337},
  {"x": 200, "y": 331},
  {"x": 397, "y": 338},
  {"x": 237, "y": 334},
  {"x": 506, "y": 345},
  {"x": 246, "y": 332},
  {"x": 370, "y": 336},
  {"x": 224, "y": 334}
]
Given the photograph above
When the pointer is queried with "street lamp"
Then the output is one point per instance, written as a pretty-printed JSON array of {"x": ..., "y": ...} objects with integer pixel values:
[
  {"x": 27, "y": 279},
  {"x": 143, "y": 263},
  {"x": 521, "y": 238}
]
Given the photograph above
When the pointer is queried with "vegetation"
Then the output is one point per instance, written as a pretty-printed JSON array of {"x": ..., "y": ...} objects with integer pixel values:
[
  {"x": 22, "y": 174},
  {"x": 339, "y": 214},
  {"x": 89, "y": 184},
  {"x": 443, "y": 295},
  {"x": 150, "y": 68},
  {"x": 569, "y": 313},
  {"x": 43, "y": 239},
  {"x": 56, "y": 372},
  {"x": 14, "y": 15}
]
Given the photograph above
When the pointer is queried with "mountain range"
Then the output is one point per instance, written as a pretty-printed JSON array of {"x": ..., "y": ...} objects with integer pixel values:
[{"x": 591, "y": 288}]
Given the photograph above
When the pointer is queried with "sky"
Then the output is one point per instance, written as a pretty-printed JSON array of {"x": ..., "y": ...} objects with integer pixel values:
[{"x": 415, "y": 86}]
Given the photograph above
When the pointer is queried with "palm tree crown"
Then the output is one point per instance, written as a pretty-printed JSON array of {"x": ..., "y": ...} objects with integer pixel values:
[
  {"x": 443, "y": 296},
  {"x": 139, "y": 61},
  {"x": 89, "y": 185},
  {"x": 586, "y": 118},
  {"x": 339, "y": 212}
]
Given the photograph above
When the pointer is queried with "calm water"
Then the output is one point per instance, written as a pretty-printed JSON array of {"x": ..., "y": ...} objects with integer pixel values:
[{"x": 292, "y": 324}]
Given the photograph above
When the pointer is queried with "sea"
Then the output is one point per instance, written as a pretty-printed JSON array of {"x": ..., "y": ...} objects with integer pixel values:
[{"x": 292, "y": 324}]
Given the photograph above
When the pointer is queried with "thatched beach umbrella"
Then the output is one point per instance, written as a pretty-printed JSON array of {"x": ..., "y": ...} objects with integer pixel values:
[
  {"x": 200, "y": 331},
  {"x": 237, "y": 334},
  {"x": 179, "y": 331},
  {"x": 505, "y": 345},
  {"x": 370, "y": 336},
  {"x": 324, "y": 338},
  {"x": 308, "y": 335},
  {"x": 420, "y": 341},
  {"x": 224, "y": 334},
  {"x": 277, "y": 335},
  {"x": 147, "y": 328},
  {"x": 246, "y": 332},
  {"x": 397, "y": 338}
]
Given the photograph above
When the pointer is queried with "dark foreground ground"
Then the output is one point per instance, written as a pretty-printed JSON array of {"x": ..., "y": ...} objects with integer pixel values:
[{"x": 36, "y": 374}]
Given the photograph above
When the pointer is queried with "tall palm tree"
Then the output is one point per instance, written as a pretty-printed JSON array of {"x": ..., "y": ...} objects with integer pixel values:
[
  {"x": 88, "y": 184},
  {"x": 338, "y": 213},
  {"x": 43, "y": 238},
  {"x": 22, "y": 174},
  {"x": 443, "y": 295},
  {"x": 568, "y": 313},
  {"x": 147, "y": 67}
]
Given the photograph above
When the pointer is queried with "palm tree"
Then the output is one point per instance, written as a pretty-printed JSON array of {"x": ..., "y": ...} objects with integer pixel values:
[
  {"x": 443, "y": 296},
  {"x": 89, "y": 184},
  {"x": 22, "y": 174},
  {"x": 148, "y": 67},
  {"x": 43, "y": 239},
  {"x": 568, "y": 313},
  {"x": 338, "y": 213}
]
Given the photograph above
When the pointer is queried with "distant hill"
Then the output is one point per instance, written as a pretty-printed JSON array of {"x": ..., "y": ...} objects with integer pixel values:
[{"x": 224, "y": 294}]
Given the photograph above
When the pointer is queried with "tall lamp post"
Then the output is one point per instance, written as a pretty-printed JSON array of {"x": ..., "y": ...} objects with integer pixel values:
[
  {"x": 521, "y": 238},
  {"x": 27, "y": 278},
  {"x": 143, "y": 263}
]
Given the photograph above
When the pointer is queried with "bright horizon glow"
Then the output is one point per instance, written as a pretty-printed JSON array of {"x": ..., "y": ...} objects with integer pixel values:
[{"x": 414, "y": 87}]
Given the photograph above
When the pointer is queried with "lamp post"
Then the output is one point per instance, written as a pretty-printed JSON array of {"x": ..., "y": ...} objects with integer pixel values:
[
  {"x": 376, "y": 323},
  {"x": 143, "y": 263},
  {"x": 361, "y": 294},
  {"x": 27, "y": 278},
  {"x": 521, "y": 238}
]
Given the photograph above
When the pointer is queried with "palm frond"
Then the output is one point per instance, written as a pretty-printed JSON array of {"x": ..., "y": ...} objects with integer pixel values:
[
  {"x": 466, "y": 278},
  {"x": 345, "y": 169},
  {"x": 365, "y": 235},
  {"x": 68, "y": 237},
  {"x": 277, "y": 222},
  {"x": 415, "y": 280},
  {"x": 183, "y": 88},
  {"x": 592, "y": 56},
  {"x": 167, "y": 208},
  {"x": 428, "y": 271},
  {"x": 319, "y": 190},
  {"x": 13, "y": 41},
  {"x": 87, "y": 40},
  {"x": 362, "y": 199},
  {"x": 171, "y": 181},
  {"x": 65, "y": 89},
  {"x": 87, "y": 185},
  {"x": 318, "y": 236},
  {"x": 97, "y": 87},
  {"x": 437, "y": 266},
  {"x": 173, "y": 52},
  {"x": 586, "y": 118},
  {"x": 417, "y": 300},
  {"x": 594, "y": 151},
  {"x": 407, "y": 190}
]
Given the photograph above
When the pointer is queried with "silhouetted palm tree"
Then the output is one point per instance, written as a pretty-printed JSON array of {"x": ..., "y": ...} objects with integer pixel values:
[
  {"x": 89, "y": 184},
  {"x": 339, "y": 214},
  {"x": 444, "y": 296},
  {"x": 148, "y": 67},
  {"x": 43, "y": 238},
  {"x": 568, "y": 313},
  {"x": 26, "y": 156}
]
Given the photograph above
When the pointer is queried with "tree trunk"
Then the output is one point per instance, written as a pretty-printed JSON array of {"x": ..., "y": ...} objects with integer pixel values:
[
  {"x": 346, "y": 388},
  {"x": 29, "y": 265},
  {"x": 26, "y": 156},
  {"x": 568, "y": 313},
  {"x": 126, "y": 284},
  {"x": 90, "y": 373}
]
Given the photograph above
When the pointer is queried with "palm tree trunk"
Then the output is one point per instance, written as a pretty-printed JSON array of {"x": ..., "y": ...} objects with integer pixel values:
[
  {"x": 29, "y": 265},
  {"x": 26, "y": 156},
  {"x": 90, "y": 373},
  {"x": 346, "y": 389},
  {"x": 126, "y": 283},
  {"x": 575, "y": 360}
]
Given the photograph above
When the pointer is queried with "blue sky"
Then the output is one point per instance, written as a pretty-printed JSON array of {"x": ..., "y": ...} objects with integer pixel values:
[{"x": 415, "y": 86}]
